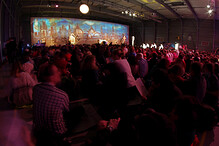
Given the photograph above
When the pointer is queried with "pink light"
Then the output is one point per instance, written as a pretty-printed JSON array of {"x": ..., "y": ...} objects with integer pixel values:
[{"x": 57, "y": 6}]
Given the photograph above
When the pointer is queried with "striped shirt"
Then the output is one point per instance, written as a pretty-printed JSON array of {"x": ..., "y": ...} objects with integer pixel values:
[{"x": 49, "y": 103}]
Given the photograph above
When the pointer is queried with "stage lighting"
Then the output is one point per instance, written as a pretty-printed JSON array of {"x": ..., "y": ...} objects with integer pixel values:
[
  {"x": 133, "y": 40},
  {"x": 57, "y": 6},
  {"x": 161, "y": 46},
  {"x": 144, "y": 46},
  {"x": 176, "y": 46},
  {"x": 147, "y": 45},
  {"x": 84, "y": 9},
  {"x": 210, "y": 11}
]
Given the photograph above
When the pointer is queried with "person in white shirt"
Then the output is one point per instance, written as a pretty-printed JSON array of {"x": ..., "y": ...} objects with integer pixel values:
[{"x": 19, "y": 89}]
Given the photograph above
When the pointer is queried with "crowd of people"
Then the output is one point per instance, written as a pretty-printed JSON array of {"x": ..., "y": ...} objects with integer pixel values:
[{"x": 181, "y": 102}]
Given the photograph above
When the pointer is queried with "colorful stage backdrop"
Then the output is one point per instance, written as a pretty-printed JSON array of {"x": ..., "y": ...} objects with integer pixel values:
[{"x": 60, "y": 31}]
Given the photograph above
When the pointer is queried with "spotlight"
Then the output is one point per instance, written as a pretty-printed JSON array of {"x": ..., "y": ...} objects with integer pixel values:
[
  {"x": 126, "y": 12},
  {"x": 210, "y": 11},
  {"x": 208, "y": 6},
  {"x": 84, "y": 9},
  {"x": 130, "y": 14},
  {"x": 122, "y": 12},
  {"x": 57, "y": 6},
  {"x": 134, "y": 15}
]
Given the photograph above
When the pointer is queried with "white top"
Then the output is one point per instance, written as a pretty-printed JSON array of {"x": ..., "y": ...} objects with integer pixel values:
[
  {"x": 125, "y": 68},
  {"x": 28, "y": 67},
  {"x": 24, "y": 79}
]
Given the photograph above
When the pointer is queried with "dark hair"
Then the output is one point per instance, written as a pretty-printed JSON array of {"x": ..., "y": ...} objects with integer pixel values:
[
  {"x": 196, "y": 68},
  {"x": 117, "y": 52},
  {"x": 155, "y": 129},
  {"x": 161, "y": 76},
  {"x": 163, "y": 63},
  {"x": 45, "y": 71},
  {"x": 16, "y": 68},
  {"x": 209, "y": 67},
  {"x": 176, "y": 70}
]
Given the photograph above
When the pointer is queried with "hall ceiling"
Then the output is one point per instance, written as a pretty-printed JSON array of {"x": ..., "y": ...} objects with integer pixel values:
[{"x": 155, "y": 10}]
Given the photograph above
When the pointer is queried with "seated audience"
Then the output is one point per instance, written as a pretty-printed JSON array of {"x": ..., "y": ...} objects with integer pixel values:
[
  {"x": 211, "y": 97},
  {"x": 181, "y": 102},
  {"x": 49, "y": 105},
  {"x": 163, "y": 94},
  {"x": 143, "y": 65},
  {"x": 20, "y": 86},
  {"x": 176, "y": 75},
  {"x": 124, "y": 68},
  {"x": 196, "y": 85},
  {"x": 90, "y": 78}
]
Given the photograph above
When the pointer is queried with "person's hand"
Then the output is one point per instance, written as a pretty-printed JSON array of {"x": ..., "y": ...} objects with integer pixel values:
[
  {"x": 113, "y": 124},
  {"x": 102, "y": 124}
]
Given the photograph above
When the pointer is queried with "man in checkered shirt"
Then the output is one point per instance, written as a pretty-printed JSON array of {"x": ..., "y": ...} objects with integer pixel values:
[{"x": 49, "y": 103}]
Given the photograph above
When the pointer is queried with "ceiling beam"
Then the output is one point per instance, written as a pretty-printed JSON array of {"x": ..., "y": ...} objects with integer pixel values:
[
  {"x": 169, "y": 8},
  {"x": 120, "y": 7},
  {"x": 99, "y": 9},
  {"x": 69, "y": 9},
  {"x": 191, "y": 9},
  {"x": 147, "y": 8}
]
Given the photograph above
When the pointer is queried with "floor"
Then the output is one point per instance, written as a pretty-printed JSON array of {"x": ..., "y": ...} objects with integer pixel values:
[{"x": 15, "y": 124}]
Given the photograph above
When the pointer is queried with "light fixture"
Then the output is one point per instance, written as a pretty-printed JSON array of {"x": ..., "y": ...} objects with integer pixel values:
[
  {"x": 130, "y": 14},
  {"x": 134, "y": 15},
  {"x": 84, "y": 9},
  {"x": 49, "y": 5},
  {"x": 208, "y": 6},
  {"x": 57, "y": 6},
  {"x": 122, "y": 12},
  {"x": 210, "y": 11},
  {"x": 126, "y": 12}
]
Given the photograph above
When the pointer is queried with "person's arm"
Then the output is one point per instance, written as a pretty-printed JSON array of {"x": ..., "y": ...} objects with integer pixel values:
[
  {"x": 30, "y": 80},
  {"x": 105, "y": 128}
]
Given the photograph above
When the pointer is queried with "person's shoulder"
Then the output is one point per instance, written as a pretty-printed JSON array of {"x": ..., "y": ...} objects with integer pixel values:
[
  {"x": 24, "y": 74},
  {"x": 51, "y": 88},
  {"x": 121, "y": 61},
  {"x": 63, "y": 93},
  {"x": 214, "y": 77}
]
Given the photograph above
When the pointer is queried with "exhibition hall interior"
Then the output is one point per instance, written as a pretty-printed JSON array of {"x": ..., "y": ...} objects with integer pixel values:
[{"x": 109, "y": 72}]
